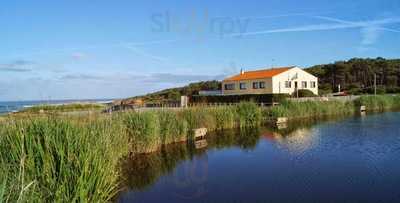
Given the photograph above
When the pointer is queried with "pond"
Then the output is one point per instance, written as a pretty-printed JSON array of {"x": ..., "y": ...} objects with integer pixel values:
[{"x": 347, "y": 160}]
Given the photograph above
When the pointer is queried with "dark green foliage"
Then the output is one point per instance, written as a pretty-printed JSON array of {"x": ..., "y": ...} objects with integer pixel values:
[
  {"x": 257, "y": 98},
  {"x": 174, "y": 94},
  {"x": 357, "y": 75},
  {"x": 305, "y": 93}
]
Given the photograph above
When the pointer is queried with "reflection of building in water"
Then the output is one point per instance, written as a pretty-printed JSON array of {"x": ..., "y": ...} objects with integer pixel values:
[{"x": 298, "y": 140}]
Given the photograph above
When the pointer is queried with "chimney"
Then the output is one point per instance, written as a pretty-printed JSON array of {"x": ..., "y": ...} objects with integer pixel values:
[{"x": 241, "y": 71}]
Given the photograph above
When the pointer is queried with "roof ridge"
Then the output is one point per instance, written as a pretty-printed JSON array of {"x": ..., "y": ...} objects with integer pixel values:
[
  {"x": 268, "y": 69},
  {"x": 263, "y": 73}
]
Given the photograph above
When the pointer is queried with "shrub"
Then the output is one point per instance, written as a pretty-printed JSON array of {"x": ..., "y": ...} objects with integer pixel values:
[
  {"x": 304, "y": 93},
  {"x": 393, "y": 90}
]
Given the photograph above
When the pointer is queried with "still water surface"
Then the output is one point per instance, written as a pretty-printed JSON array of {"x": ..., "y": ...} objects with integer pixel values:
[{"x": 347, "y": 160}]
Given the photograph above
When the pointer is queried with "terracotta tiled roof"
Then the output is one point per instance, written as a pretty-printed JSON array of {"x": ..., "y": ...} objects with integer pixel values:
[{"x": 258, "y": 74}]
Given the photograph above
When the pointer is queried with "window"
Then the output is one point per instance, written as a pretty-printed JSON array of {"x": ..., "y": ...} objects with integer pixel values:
[
  {"x": 229, "y": 86},
  {"x": 288, "y": 84},
  {"x": 303, "y": 84},
  {"x": 243, "y": 86},
  {"x": 262, "y": 85},
  {"x": 256, "y": 85},
  {"x": 313, "y": 84}
]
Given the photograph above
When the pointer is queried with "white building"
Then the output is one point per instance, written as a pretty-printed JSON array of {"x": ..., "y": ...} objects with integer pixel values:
[{"x": 284, "y": 80}]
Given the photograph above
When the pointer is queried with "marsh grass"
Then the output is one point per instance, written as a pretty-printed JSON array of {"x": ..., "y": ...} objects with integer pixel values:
[
  {"x": 225, "y": 117},
  {"x": 60, "y": 160},
  {"x": 172, "y": 128},
  {"x": 248, "y": 114},
  {"x": 309, "y": 109},
  {"x": 144, "y": 131},
  {"x": 75, "y": 159},
  {"x": 379, "y": 103}
]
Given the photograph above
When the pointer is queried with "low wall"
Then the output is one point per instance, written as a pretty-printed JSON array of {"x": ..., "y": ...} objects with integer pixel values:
[{"x": 339, "y": 98}]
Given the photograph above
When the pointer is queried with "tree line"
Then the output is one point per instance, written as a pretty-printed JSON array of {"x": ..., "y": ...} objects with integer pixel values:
[{"x": 358, "y": 75}]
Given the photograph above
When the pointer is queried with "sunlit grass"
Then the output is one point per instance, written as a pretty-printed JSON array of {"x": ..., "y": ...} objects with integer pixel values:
[{"x": 75, "y": 158}]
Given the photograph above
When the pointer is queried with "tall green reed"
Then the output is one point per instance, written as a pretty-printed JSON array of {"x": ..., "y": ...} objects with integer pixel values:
[{"x": 61, "y": 160}]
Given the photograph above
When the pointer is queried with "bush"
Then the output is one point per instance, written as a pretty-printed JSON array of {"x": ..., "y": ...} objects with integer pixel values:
[
  {"x": 393, "y": 90},
  {"x": 304, "y": 93},
  {"x": 379, "y": 90}
]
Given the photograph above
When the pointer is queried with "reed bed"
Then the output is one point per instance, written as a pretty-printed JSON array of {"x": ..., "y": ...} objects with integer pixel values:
[
  {"x": 69, "y": 159},
  {"x": 59, "y": 160},
  {"x": 148, "y": 131},
  {"x": 310, "y": 109},
  {"x": 379, "y": 103}
]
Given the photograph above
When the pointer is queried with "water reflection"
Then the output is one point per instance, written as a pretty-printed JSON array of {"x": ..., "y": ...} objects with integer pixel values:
[
  {"x": 296, "y": 141},
  {"x": 311, "y": 162},
  {"x": 143, "y": 170}
]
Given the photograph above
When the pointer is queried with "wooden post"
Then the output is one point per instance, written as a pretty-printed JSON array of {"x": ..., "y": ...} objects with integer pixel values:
[
  {"x": 199, "y": 132},
  {"x": 375, "y": 84}
]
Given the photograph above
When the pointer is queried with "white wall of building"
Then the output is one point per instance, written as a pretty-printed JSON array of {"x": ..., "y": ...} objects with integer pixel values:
[{"x": 294, "y": 75}]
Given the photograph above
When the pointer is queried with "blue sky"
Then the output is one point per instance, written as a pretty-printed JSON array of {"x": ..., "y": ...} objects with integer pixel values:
[{"x": 76, "y": 49}]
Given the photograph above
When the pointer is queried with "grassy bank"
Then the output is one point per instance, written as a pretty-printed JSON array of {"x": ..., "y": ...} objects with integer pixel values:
[
  {"x": 152, "y": 129},
  {"x": 69, "y": 159}
]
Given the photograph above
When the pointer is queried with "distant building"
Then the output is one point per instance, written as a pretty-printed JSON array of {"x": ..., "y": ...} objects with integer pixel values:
[{"x": 284, "y": 80}]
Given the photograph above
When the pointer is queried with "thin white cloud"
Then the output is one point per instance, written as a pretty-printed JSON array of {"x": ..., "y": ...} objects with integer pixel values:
[
  {"x": 144, "y": 53},
  {"x": 322, "y": 27},
  {"x": 370, "y": 34},
  {"x": 352, "y": 23},
  {"x": 17, "y": 66}
]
